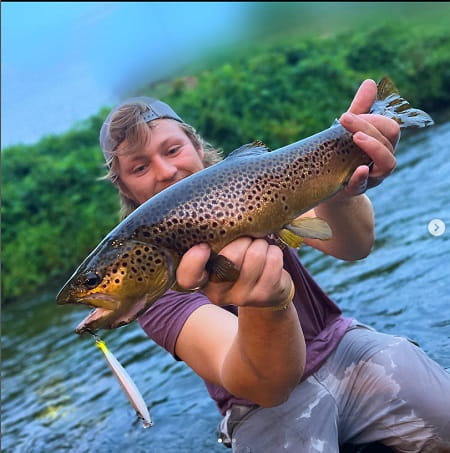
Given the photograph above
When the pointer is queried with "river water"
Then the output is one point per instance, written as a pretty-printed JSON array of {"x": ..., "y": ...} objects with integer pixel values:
[{"x": 58, "y": 394}]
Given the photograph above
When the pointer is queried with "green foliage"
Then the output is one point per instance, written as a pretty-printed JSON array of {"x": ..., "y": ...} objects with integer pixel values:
[
  {"x": 282, "y": 91},
  {"x": 54, "y": 208}
]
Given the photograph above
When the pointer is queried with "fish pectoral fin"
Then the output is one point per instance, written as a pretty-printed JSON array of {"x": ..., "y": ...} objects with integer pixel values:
[
  {"x": 291, "y": 239},
  {"x": 310, "y": 227},
  {"x": 163, "y": 279},
  {"x": 221, "y": 269}
]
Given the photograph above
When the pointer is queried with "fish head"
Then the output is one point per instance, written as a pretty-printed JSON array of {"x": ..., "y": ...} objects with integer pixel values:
[{"x": 118, "y": 276}]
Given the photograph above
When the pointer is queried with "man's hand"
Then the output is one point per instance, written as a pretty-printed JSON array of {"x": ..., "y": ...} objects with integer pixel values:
[
  {"x": 376, "y": 135},
  {"x": 262, "y": 280},
  {"x": 259, "y": 355}
]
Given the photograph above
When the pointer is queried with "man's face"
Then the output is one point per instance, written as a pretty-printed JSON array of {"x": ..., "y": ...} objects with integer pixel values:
[{"x": 166, "y": 158}]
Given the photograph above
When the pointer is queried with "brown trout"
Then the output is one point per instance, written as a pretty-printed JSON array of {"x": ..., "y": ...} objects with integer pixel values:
[{"x": 252, "y": 192}]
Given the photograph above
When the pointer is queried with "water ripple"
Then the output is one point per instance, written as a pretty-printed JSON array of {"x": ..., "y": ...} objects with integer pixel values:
[{"x": 59, "y": 394}]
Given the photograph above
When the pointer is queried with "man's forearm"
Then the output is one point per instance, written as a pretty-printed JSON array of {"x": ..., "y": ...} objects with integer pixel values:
[
  {"x": 351, "y": 220},
  {"x": 267, "y": 358}
]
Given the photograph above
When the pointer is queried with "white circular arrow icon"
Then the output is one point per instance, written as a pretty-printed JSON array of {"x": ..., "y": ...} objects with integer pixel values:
[{"x": 436, "y": 227}]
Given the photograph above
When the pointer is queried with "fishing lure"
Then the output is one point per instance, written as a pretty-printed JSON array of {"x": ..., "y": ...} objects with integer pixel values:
[{"x": 127, "y": 384}]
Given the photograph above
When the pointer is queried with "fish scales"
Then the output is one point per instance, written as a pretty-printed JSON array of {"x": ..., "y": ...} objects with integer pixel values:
[
  {"x": 253, "y": 192},
  {"x": 243, "y": 195}
]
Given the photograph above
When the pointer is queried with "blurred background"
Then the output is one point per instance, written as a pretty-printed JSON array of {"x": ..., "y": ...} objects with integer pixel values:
[
  {"x": 237, "y": 71},
  {"x": 62, "y": 61}
]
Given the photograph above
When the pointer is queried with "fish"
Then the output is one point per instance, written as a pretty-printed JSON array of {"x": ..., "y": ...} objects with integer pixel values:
[
  {"x": 128, "y": 386},
  {"x": 252, "y": 192}
]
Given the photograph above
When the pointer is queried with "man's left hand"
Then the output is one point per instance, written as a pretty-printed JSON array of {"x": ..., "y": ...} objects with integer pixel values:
[{"x": 376, "y": 135}]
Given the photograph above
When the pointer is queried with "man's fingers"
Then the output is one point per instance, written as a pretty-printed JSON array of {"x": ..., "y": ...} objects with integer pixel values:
[
  {"x": 260, "y": 280},
  {"x": 364, "y": 97},
  {"x": 389, "y": 128},
  {"x": 191, "y": 271},
  {"x": 358, "y": 182},
  {"x": 357, "y": 124},
  {"x": 384, "y": 161},
  {"x": 235, "y": 251}
]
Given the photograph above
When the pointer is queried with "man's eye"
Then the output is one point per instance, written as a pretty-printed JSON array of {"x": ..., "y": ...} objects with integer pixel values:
[
  {"x": 173, "y": 150},
  {"x": 139, "y": 169}
]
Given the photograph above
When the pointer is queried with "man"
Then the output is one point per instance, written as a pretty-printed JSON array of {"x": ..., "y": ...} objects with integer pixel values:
[{"x": 286, "y": 369}]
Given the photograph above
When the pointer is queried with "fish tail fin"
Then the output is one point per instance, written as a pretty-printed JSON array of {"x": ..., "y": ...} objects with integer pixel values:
[{"x": 389, "y": 103}]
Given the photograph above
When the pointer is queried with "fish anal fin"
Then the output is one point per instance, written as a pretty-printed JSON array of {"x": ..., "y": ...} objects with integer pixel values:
[
  {"x": 310, "y": 227},
  {"x": 291, "y": 239},
  {"x": 221, "y": 269}
]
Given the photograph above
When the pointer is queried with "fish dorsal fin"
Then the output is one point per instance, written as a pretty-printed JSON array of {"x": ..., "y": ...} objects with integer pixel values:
[{"x": 250, "y": 149}]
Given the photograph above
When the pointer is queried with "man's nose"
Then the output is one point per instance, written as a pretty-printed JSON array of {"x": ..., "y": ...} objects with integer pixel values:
[{"x": 164, "y": 169}]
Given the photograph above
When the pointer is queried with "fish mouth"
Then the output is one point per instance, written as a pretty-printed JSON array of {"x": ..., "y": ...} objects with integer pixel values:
[
  {"x": 90, "y": 323},
  {"x": 99, "y": 300},
  {"x": 95, "y": 300},
  {"x": 103, "y": 318}
]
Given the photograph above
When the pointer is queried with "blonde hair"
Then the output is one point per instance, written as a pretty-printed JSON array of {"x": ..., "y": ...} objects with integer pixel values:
[{"x": 127, "y": 125}]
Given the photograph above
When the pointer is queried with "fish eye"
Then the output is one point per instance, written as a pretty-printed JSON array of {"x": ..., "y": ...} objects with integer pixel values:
[{"x": 91, "y": 280}]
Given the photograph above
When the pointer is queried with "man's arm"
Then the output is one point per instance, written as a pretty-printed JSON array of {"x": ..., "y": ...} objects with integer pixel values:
[
  {"x": 349, "y": 213},
  {"x": 352, "y": 223},
  {"x": 260, "y": 355}
]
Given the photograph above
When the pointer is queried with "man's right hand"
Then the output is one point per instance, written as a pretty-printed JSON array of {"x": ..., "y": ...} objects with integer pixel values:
[{"x": 262, "y": 280}]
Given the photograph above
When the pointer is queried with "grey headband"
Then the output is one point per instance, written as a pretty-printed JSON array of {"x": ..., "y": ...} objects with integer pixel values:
[{"x": 155, "y": 109}]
